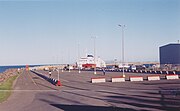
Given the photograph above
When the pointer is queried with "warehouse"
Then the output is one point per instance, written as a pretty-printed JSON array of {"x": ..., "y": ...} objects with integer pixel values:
[{"x": 170, "y": 55}]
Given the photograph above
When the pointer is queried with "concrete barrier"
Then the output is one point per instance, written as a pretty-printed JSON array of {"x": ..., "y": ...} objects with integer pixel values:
[
  {"x": 118, "y": 79},
  {"x": 98, "y": 80},
  {"x": 153, "y": 77},
  {"x": 136, "y": 78},
  {"x": 172, "y": 76}
]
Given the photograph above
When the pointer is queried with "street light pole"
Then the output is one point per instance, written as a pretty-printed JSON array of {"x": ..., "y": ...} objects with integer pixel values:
[
  {"x": 79, "y": 60},
  {"x": 58, "y": 73},
  {"x": 122, "y": 26},
  {"x": 62, "y": 62},
  {"x": 69, "y": 59},
  {"x": 94, "y": 54},
  {"x": 58, "y": 68}
]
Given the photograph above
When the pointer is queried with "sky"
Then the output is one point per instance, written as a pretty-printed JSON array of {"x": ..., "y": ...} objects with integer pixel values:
[{"x": 57, "y": 31}]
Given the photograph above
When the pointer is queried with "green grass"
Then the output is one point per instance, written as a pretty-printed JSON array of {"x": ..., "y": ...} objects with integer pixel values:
[{"x": 6, "y": 87}]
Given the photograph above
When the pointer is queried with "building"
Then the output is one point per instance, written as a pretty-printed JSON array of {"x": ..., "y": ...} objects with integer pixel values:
[
  {"x": 170, "y": 55},
  {"x": 88, "y": 62}
]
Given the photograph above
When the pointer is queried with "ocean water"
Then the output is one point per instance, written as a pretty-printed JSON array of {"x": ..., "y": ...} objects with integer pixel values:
[{"x": 3, "y": 68}]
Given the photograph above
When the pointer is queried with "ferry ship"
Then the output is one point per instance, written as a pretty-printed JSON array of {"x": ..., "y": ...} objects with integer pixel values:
[{"x": 89, "y": 62}]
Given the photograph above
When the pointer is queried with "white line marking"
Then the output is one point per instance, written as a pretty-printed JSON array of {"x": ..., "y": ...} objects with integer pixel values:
[
  {"x": 32, "y": 79},
  {"x": 64, "y": 80}
]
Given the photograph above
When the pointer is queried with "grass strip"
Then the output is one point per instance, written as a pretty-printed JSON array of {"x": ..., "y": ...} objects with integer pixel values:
[{"x": 6, "y": 88}]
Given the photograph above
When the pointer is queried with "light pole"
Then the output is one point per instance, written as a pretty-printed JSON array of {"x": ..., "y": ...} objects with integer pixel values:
[
  {"x": 94, "y": 54},
  {"x": 69, "y": 60},
  {"x": 62, "y": 62},
  {"x": 122, "y": 26},
  {"x": 57, "y": 68},
  {"x": 58, "y": 73},
  {"x": 79, "y": 60}
]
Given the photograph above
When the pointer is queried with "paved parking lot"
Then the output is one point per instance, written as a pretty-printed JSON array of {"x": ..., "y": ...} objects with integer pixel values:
[
  {"x": 147, "y": 95},
  {"x": 79, "y": 94}
]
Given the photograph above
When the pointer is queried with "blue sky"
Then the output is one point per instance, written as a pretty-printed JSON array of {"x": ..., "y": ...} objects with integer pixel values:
[{"x": 40, "y": 32}]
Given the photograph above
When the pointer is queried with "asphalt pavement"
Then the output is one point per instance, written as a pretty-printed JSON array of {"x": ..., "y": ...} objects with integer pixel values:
[{"x": 35, "y": 93}]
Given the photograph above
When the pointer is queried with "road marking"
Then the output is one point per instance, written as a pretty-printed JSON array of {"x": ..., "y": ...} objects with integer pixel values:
[
  {"x": 32, "y": 79},
  {"x": 64, "y": 80}
]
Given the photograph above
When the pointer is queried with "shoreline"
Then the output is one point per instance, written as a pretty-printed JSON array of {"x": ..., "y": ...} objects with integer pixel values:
[{"x": 7, "y": 74}]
